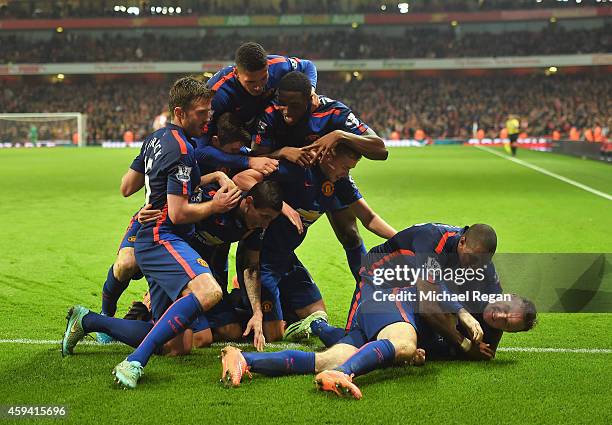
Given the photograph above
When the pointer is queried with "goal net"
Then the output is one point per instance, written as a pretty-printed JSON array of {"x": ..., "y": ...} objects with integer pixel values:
[{"x": 43, "y": 129}]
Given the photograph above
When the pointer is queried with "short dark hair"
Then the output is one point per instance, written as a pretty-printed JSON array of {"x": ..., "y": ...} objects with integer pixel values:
[
  {"x": 251, "y": 57},
  {"x": 530, "y": 314},
  {"x": 230, "y": 129},
  {"x": 267, "y": 194},
  {"x": 185, "y": 92},
  {"x": 342, "y": 149},
  {"x": 297, "y": 82},
  {"x": 482, "y": 235}
]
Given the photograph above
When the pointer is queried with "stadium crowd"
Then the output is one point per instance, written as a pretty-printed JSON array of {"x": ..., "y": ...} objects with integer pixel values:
[
  {"x": 395, "y": 108},
  {"x": 343, "y": 44},
  {"x": 21, "y": 9}
]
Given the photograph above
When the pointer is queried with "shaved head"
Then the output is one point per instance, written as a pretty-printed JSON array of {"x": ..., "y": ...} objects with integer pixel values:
[{"x": 481, "y": 237}]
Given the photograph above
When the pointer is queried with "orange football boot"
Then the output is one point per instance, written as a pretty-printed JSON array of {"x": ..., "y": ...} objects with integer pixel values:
[
  {"x": 337, "y": 382},
  {"x": 234, "y": 366}
]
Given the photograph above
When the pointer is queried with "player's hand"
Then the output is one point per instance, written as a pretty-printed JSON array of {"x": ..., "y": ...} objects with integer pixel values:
[
  {"x": 294, "y": 217},
  {"x": 471, "y": 325},
  {"x": 325, "y": 145},
  {"x": 224, "y": 180},
  {"x": 263, "y": 164},
  {"x": 225, "y": 199},
  {"x": 256, "y": 326},
  {"x": 304, "y": 157},
  {"x": 146, "y": 214},
  {"x": 481, "y": 351}
]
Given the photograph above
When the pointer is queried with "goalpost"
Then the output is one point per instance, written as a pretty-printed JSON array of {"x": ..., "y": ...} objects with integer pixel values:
[{"x": 40, "y": 129}]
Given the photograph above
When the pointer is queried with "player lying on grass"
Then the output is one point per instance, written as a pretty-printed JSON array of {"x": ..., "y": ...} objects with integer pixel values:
[
  {"x": 436, "y": 246},
  {"x": 231, "y": 138},
  {"x": 383, "y": 327},
  {"x": 382, "y": 334},
  {"x": 244, "y": 223},
  {"x": 310, "y": 191},
  {"x": 444, "y": 248},
  {"x": 300, "y": 126}
]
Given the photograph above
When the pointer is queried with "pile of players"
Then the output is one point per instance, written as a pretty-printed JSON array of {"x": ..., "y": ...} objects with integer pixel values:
[{"x": 256, "y": 156}]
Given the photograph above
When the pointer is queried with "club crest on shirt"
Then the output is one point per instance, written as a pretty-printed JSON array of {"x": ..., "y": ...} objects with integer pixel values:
[
  {"x": 183, "y": 173},
  {"x": 266, "y": 306},
  {"x": 327, "y": 188}
]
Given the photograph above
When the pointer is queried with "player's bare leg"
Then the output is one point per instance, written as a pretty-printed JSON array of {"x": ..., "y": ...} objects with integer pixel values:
[
  {"x": 274, "y": 330},
  {"x": 125, "y": 265},
  {"x": 404, "y": 339},
  {"x": 395, "y": 344},
  {"x": 333, "y": 357},
  {"x": 180, "y": 345}
]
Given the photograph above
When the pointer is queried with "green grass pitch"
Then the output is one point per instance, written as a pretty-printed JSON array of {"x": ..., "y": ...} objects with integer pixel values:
[{"x": 62, "y": 218}]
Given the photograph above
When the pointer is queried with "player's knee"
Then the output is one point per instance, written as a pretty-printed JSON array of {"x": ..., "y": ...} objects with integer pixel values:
[
  {"x": 206, "y": 289},
  {"x": 404, "y": 350},
  {"x": 273, "y": 331},
  {"x": 179, "y": 346},
  {"x": 202, "y": 339},
  {"x": 125, "y": 265}
]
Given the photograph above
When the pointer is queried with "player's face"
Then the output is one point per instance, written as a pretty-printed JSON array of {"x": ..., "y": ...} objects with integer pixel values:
[
  {"x": 471, "y": 255},
  {"x": 257, "y": 218},
  {"x": 507, "y": 316},
  {"x": 254, "y": 82},
  {"x": 337, "y": 166},
  {"x": 194, "y": 118},
  {"x": 293, "y": 106}
]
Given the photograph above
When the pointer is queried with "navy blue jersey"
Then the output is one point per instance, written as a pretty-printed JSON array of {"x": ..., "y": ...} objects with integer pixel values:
[
  {"x": 230, "y": 96},
  {"x": 330, "y": 115},
  {"x": 170, "y": 169},
  {"x": 211, "y": 159},
  {"x": 219, "y": 229},
  {"x": 427, "y": 247},
  {"x": 138, "y": 164},
  {"x": 311, "y": 194}
]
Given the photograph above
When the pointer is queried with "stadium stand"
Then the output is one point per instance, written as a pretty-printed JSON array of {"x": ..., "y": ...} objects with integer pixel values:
[
  {"x": 24, "y": 9},
  {"x": 340, "y": 44},
  {"x": 442, "y": 107}
]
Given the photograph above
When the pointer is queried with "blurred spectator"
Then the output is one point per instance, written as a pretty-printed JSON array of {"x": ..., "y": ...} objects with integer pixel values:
[
  {"x": 454, "y": 106},
  {"x": 340, "y": 44},
  {"x": 445, "y": 107},
  {"x": 25, "y": 9}
]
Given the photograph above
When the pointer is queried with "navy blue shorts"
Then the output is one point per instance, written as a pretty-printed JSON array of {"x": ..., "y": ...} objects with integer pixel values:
[
  {"x": 377, "y": 309},
  {"x": 220, "y": 315},
  {"x": 285, "y": 285},
  {"x": 169, "y": 265},
  {"x": 130, "y": 233}
]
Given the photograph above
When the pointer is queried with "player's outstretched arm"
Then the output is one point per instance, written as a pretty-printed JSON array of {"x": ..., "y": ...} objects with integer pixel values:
[
  {"x": 246, "y": 179},
  {"x": 369, "y": 144},
  {"x": 248, "y": 264},
  {"x": 218, "y": 177},
  {"x": 131, "y": 182},
  {"x": 181, "y": 211},
  {"x": 371, "y": 220}
]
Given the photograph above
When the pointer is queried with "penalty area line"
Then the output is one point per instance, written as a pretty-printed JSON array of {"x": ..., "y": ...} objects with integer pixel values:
[
  {"x": 290, "y": 345},
  {"x": 548, "y": 173}
]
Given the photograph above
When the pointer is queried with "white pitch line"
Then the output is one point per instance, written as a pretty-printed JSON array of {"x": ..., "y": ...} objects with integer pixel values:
[
  {"x": 291, "y": 345},
  {"x": 556, "y": 350},
  {"x": 548, "y": 173}
]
